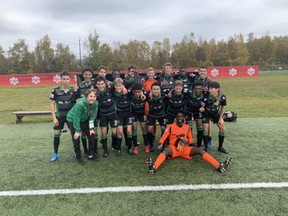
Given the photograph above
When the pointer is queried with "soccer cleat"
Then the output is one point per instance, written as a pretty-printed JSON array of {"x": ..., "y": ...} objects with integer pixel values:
[
  {"x": 80, "y": 161},
  {"x": 113, "y": 149},
  {"x": 209, "y": 143},
  {"x": 147, "y": 150},
  {"x": 105, "y": 154},
  {"x": 136, "y": 150},
  {"x": 86, "y": 152},
  {"x": 149, "y": 161},
  {"x": 118, "y": 153},
  {"x": 91, "y": 157},
  {"x": 96, "y": 154},
  {"x": 130, "y": 151},
  {"x": 151, "y": 167},
  {"x": 223, "y": 166},
  {"x": 151, "y": 148},
  {"x": 222, "y": 150},
  {"x": 206, "y": 149},
  {"x": 54, "y": 157}
]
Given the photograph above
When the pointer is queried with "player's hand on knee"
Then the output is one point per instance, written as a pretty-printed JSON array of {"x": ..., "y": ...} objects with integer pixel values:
[
  {"x": 92, "y": 132},
  {"x": 76, "y": 135},
  {"x": 55, "y": 122}
]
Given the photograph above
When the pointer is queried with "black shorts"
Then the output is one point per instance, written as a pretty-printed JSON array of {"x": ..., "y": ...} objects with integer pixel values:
[
  {"x": 213, "y": 117},
  {"x": 139, "y": 117},
  {"x": 170, "y": 118},
  {"x": 62, "y": 121},
  {"x": 151, "y": 120},
  {"x": 124, "y": 119},
  {"x": 196, "y": 116},
  {"x": 112, "y": 119}
]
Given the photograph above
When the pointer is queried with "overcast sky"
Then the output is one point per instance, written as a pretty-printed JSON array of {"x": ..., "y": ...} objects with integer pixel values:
[{"x": 122, "y": 20}]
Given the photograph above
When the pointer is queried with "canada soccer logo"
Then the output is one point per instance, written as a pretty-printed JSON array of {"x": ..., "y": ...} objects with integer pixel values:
[
  {"x": 251, "y": 71},
  {"x": 14, "y": 81},
  {"x": 214, "y": 72},
  {"x": 35, "y": 80},
  {"x": 232, "y": 72},
  {"x": 56, "y": 79}
]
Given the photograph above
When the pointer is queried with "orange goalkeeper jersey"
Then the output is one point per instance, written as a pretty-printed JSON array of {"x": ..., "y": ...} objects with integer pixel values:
[
  {"x": 148, "y": 84},
  {"x": 173, "y": 131}
]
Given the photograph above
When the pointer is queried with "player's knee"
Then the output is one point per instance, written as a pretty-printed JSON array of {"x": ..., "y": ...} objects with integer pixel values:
[{"x": 57, "y": 132}]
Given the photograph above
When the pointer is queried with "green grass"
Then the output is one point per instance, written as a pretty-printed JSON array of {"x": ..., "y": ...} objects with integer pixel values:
[
  {"x": 257, "y": 142},
  {"x": 256, "y": 145}
]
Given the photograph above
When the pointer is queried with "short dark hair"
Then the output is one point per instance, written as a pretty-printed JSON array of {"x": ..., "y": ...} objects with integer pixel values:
[
  {"x": 213, "y": 85},
  {"x": 180, "y": 111},
  {"x": 87, "y": 69},
  {"x": 182, "y": 69},
  {"x": 136, "y": 86},
  {"x": 114, "y": 71},
  {"x": 131, "y": 67},
  {"x": 198, "y": 83},
  {"x": 156, "y": 84},
  {"x": 65, "y": 73},
  {"x": 99, "y": 79}
]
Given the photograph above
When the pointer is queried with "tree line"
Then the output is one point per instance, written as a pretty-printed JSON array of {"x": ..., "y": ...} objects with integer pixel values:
[{"x": 189, "y": 52}]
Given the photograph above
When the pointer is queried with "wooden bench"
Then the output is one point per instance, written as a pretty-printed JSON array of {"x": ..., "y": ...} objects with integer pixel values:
[{"x": 21, "y": 114}]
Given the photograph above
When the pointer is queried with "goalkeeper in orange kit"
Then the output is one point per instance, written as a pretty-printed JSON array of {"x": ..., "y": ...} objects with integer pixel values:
[{"x": 180, "y": 136}]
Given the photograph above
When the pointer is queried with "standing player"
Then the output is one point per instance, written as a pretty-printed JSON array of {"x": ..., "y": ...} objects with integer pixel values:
[
  {"x": 210, "y": 112},
  {"x": 176, "y": 101},
  {"x": 138, "y": 114},
  {"x": 156, "y": 101},
  {"x": 61, "y": 102},
  {"x": 102, "y": 71},
  {"x": 166, "y": 78},
  {"x": 186, "y": 79},
  {"x": 107, "y": 113},
  {"x": 179, "y": 137},
  {"x": 131, "y": 77},
  {"x": 81, "y": 118},
  {"x": 194, "y": 102},
  {"x": 147, "y": 84},
  {"x": 79, "y": 93},
  {"x": 123, "y": 107}
]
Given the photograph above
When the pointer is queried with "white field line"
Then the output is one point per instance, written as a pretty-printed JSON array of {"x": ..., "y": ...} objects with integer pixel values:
[{"x": 145, "y": 188}]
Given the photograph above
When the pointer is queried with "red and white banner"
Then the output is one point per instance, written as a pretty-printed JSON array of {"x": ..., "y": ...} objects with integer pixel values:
[{"x": 55, "y": 79}]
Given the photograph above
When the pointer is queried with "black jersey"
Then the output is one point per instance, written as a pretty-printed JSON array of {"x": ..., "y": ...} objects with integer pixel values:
[
  {"x": 167, "y": 82},
  {"x": 176, "y": 103},
  {"x": 64, "y": 100},
  {"x": 137, "y": 104},
  {"x": 82, "y": 88},
  {"x": 204, "y": 81},
  {"x": 122, "y": 102},
  {"x": 156, "y": 105},
  {"x": 187, "y": 80},
  {"x": 194, "y": 102},
  {"x": 106, "y": 102},
  {"x": 209, "y": 104}
]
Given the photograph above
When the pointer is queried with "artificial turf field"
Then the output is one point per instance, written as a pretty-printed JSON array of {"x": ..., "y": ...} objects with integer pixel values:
[{"x": 257, "y": 142}]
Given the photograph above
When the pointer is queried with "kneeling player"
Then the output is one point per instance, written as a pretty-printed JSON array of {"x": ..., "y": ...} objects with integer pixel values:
[{"x": 179, "y": 137}]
